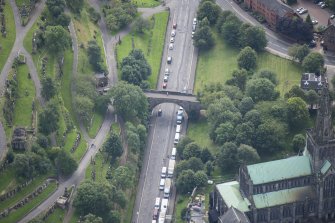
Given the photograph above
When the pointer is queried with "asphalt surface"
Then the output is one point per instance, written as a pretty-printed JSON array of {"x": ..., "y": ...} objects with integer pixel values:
[{"x": 162, "y": 129}]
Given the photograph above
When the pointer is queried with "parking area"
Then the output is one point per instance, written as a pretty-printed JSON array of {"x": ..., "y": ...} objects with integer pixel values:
[{"x": 315, "y": 11}]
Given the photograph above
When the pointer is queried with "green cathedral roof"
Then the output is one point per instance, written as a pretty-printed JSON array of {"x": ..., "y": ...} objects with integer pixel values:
[{"x": 277, "y": 170}]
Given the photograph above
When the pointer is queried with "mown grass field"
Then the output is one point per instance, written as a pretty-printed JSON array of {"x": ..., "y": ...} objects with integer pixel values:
[
  {"x": 6, "y": 43},
  {"x": 217, "y": 64},
  {"x": 15, "y": 216},
  {"x": 7, "y": 179},
  {"x": 152, "y": 53},
  {"x": 146, "y": 3},
  {"x": 26, "y": 92},
  {"x": 100, "y": 167}
]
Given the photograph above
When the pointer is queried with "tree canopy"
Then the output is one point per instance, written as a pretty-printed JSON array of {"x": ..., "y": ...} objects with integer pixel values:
[
  {"x": 247, "y": 59},
  {"x": 298, "y": 52},
  {"x": 313, "y": 62},
  {"x": 57, "y": 39},
  {"x": 261, "y": 89}
]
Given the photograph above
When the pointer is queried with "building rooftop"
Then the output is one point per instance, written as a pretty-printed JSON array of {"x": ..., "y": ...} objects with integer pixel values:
[
  {"x": 277, "y": 6},
  {"x": 283, "y": 197},
  {"x": 230, "y": 192},
  {"x": 233, "y": 215},
  {"x": 325, "y": 167},
  {"x": 311, "y": 81},
  {"x": 277, "y": 170}
]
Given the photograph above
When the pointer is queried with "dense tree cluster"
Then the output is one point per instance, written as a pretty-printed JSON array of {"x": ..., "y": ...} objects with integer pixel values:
[
  {"x": 119, "y": 14},
  {"x": 313, "y": 63},
  {"x": 298, "y": 52},
  {"x": 94, "y": 56},
  {"x": 295, "y": 28},
  {"x": 57, "y": 39},
  {"x": 203, "y": 36},
  {"x": 135, "y": 68},
  {"x": 56, "y": 12}
]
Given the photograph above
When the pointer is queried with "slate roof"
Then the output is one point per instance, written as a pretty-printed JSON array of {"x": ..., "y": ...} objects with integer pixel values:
[
  {"x": 325, "y": 167},
  {"x": 230, "y": 193},
  {"x": 283, "y": 196},
  {"x": 311, "y": 81},
  {"x": 277, "y": 170},
  {"x": 277, "y": 6},
  {"x": 233, "y": 215}
]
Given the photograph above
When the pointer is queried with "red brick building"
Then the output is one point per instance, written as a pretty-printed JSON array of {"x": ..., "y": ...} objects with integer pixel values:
[
  {"x": 329, "y": 36},
  {"x": 272, "y": 10}
]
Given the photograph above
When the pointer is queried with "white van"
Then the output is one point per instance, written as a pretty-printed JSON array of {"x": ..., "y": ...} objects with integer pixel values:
[
  {"x": 163, "y": 174},
  {"x": 176, "y": 138},
  {"x": 157, "y": 202},
  {"x": 164, "y": 204},
  {"x": 162, "y": 184},
  {"x": 174, "y": 153},
  {"x": 178, "y": 129}
]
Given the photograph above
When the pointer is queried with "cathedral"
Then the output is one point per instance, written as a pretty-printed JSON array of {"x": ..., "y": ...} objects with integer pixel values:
[{"x": 292, "y": 190}]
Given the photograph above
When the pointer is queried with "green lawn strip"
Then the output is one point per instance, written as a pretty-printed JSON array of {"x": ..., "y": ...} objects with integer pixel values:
[
  {"x": 97, "y": 120},
  {"x": 141, "y": 41},
  {"x": 101, "y": 169},
  {"x": 198, "y": 131},
  {"x": 70, "y": 139},
  {"x": 23, "y": 193},
  {"x": 6, "y": 43},
  {"x": 7, "y": 179},
  {"x": 217, "y": 64},
  {"x": 146, "y": 3},
  {"x": 182, "y": 201},
  {"x": 15, "y": 216},
  {"x": 80, "y": 151},
  {"x": 116, "y": 128},
  {"x": 56, "y": 217},
  {"x": 26, "y": 92},
  {"x": 75, "y": 217},
  {"x": 130, "y": 206},
  {"x": 21, "y": 2}
]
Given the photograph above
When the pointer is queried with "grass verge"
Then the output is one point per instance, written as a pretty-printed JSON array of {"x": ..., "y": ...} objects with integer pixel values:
[
  {"x": 15, "y": 216},
  {"x": 217, "y": 64},
  {"x": 7, "y": 179},
  {"x": 151, "y": 42},
  {"x": 56, "y": 217},
  {"x": 6, "y": 43},
  {"x": 97, "y": 120},
  {"x": 146, "y": 3}
]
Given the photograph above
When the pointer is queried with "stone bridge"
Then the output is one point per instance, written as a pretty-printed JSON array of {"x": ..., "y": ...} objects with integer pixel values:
[{"x": 189, "y": 102}]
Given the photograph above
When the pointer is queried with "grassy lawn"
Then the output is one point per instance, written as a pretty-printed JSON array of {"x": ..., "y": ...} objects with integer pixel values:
[
  {"x": 21, "y": 2},
  {"x": 7, "y": 179},
  {"x": 101, "y": 169},
  {"x": 66, "y": 82},
  {"x": 15, "y": 216},
  {"x": 23, "y": 193},
  {"x": 97, "y": 120},
  {"x": 6, "y": 43},
  {"x": 146, "y": 3},
  {"x": 182, "y": 201},
  {"x": 217, "y": 64},
  {"x": 142, "y": 41},
  {"x": 56, "y": 217},
  {"x": 26, "y": 90}
]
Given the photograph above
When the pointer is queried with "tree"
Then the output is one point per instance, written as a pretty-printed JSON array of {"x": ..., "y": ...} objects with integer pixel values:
[
  {"x": 308, "y": 20},
  {"x": 222, "y": 19},
  {"x": 91, "y": 218},
  {"x": 182, "y": 144},
  {"x": 224, "y": 133},
  {"x": 23, "y": 168},
  {"x": 253, "y": 117},
  {"x": 134, "y": 142},
  {"x": 203, "y": 38},
  {"x": 295, "y": 28},
  {"x": 312, "y": 97},
  {"x": 227, "y": 157},
  {"x": 113, "y": 146},
  {"x": 296, "y": 91},
  {"x": 269, "y": 137},
  {"x": 123, "y": 177},
  {"x": 185, "y": 181},
  {"x": 48, "y": 88},
  {"x": 93, "y": 197},
  {"x": 141, "y": 24},
  {"x": 206, "y": 155},
  {"x": 57, "y": 39},
  {"x": 244, "y": 133},
  {"x": 84, "y": 108},
  {"x": 129, "y": 101},
  {"x": 62, "y": 20},
  {"x": 298, "y": 52},
  {"x": 239, "y": 79},
  {"x": 261, "y": 89},
  {"x": 200, "y": 179},
  {"x": 193, "y": 163},
  {"x": 297, "y": 113},
  {"x": 192, "y": 150},
  {"x": 65, "y": 163},
  {"x": 94, "y": 55},
  {"x": 255, "y": 37},
  {"x": 247, "y": 155},
  {"x": 230, "y": 32},
  {"x": 313, "y": 62},
  {"x": 271, "y": 76},
  {"x": 48, "y": 119},
  {"x": 208, "y": 10},
  {"x": 55, "y": 7},
  {"x": 299, "y": 142},
  {"x": 247, "y": 59},
  {"x": 246, "y": 105},
  {"x": 75, "y": 5}
]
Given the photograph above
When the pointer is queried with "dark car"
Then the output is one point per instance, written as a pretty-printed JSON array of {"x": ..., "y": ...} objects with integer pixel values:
[
  {"x": 164, "y": 85},
  {"x": 174, "y": 25},
  {"x": 160, "y": 112}
]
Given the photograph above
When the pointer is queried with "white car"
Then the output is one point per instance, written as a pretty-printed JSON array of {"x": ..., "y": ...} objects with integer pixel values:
[
  {"x": 167, "y": 72},
  {"x": 332, "y": 16},
  {"x": 324, "y": 5},
  {"x": 172, "y": 40},
  {"x": 194, "y": 21},
  {"x": 303, "y": 11},
  {"x": 299, "y": 9},
  {"x": 320, "y": 3},
  {"x": 173, "y": 33},
  {"x": 171, "y": 46},
  {"x": 166, "y": 78},
  {"x": 192, "y": 34},
  {"x": 314, "y": 21}
]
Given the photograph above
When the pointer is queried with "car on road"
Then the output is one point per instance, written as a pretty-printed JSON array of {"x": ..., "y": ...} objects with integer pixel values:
[
  {"x": 174, "y": 26},
  {"x": 320, "y": 3},
  {"x": 172, "y": 40},
  {"x": 332, "y": 16},
  {"x": 192, "y": 34},
  {"x": 173, "y": 33},
  {"x": 194, "y": 21},
  {"x": 164, "y": 85},
  {"x": 312, "y": 43},
  {"x": 299, "y": 9},
  {"x": 167, "y": 72},
  {"x": 324, "y": 5},
  {"x": 160, "y": 112},
  {"x": 303, "y": 11},
  {"x": 166, "y": 78},
  {"x": 314, "y": 21},
  {"x": 171, "y": 46},
  {"x": 162, "y": 184},
  {"x": 169, "y": 60},
  {"x": 194, "y": 28}
]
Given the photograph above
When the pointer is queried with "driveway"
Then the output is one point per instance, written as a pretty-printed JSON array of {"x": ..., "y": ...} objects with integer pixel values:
[{"x": 315, "y": 11}]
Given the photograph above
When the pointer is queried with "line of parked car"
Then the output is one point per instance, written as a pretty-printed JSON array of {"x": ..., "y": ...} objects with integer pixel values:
[{"x": 165, "y": 184}]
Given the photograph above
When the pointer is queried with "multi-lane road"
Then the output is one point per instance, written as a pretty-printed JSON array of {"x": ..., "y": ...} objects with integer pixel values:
[{"x": 162, "y": 129}]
